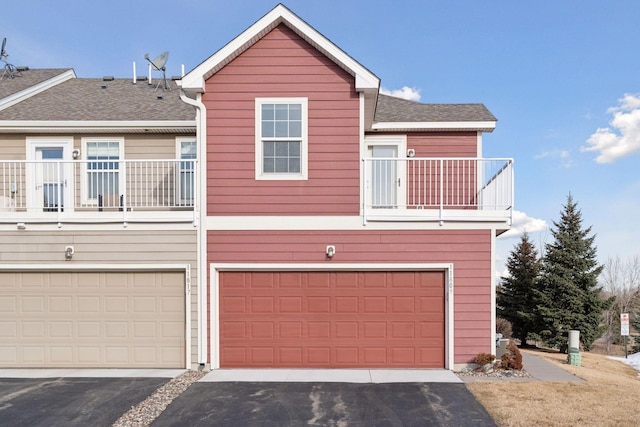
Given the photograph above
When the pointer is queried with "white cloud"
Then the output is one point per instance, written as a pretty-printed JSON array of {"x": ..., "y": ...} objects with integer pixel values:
[
  {"x": 523, "y": 223},
  {"x": 410, "y": 93},
  {"x": 563, "y": 155},
  {"x": 622, "y": 138}
]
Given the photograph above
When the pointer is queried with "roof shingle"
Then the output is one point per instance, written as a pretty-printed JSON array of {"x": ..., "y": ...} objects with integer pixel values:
[
  {"x": 391, "y": 109},
  {"x": 87, "y": 100}
]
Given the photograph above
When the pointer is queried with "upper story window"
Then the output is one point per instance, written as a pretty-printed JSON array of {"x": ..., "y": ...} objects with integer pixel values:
[
  {"x": 186, "y": 153},
  {"x": 281, "y": 138},
  {"x": 103, "y": 178}
]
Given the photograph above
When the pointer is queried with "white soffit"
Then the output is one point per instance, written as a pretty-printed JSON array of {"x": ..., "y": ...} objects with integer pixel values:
[
  {"x": 487, "y": 126},
  {"x": 29, "y": 126},
  {"x": 194, "y": 80}
]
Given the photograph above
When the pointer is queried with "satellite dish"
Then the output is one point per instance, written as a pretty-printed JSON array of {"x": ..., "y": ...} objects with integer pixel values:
[
  {"x": 9, "y": 69},
  {"x": 159, "y": 63}
]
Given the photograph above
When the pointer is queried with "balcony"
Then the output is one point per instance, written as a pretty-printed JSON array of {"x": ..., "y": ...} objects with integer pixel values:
[
  {"x": 438, "y": 189},
  {"x": 97, "y": 191}
]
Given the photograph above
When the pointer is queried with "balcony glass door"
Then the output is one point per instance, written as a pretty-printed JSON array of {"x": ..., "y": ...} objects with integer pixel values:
[
  {"x": 384, "y": 176},
  {"x": 50, "y": 176}
]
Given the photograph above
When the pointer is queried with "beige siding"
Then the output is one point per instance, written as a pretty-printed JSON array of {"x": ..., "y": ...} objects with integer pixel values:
[
  {"x": 96, "y": 247},
  {"x": 13, "y": 147},
  {"x": 137, "y": 147}
]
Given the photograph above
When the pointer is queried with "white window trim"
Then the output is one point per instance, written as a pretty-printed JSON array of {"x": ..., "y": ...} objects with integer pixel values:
[
  {"x": 304, "y": 144},
  {"x": 84, "y": 191}
]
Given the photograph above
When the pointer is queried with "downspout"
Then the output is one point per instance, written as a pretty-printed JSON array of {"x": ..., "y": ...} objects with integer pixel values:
[{"x": 200, "y": 221}]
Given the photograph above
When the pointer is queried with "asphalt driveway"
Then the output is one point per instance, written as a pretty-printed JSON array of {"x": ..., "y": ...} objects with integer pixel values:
[
  {"x": 65, "y": 402},
  {"x": 324, "y": 404}
]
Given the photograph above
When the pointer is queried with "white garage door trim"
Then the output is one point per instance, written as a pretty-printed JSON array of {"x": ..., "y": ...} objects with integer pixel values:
[
  {"x": 215, "y": 270},
  {"x": 78, "y": 268}
]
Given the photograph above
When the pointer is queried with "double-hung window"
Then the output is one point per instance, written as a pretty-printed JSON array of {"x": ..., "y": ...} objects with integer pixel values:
[
  {"x": 103, "y": 171},
  {"x": 281, "y": 138},
  {"x": 187, "y": 154}
]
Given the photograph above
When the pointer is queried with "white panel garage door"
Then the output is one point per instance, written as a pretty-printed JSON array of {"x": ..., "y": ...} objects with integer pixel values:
[{"x": 92, "y": 319}]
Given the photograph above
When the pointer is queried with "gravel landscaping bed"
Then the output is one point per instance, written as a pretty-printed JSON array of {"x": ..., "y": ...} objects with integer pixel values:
[
  {"x": 491, "y": 372},
  {"x": 149, "y": 409}
]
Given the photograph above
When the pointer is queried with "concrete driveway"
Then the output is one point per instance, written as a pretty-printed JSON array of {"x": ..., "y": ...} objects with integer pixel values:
[
  {"x": 324, "y": 404},
  {"x": 83, "y": 402}
]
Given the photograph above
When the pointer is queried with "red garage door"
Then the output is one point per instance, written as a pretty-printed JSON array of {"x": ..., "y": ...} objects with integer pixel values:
[{"x": 332, "y": 319}]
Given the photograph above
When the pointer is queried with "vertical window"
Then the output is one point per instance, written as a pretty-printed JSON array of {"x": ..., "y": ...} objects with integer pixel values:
[
  {"x": 281, "y": 138},
  {"x": 103, "y": 175},
  {"x": 187, "y": 155}
]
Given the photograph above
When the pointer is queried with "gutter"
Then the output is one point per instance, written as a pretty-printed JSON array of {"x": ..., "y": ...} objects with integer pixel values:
[{"x": 201, "y": 185}]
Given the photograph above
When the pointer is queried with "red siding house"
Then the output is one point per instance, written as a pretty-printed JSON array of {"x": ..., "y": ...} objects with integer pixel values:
[{"x": 340, "y": 227}]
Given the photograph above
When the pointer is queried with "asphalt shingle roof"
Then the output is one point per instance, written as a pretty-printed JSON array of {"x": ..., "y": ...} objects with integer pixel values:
[
  {"x": 391, "y": 109},
  {"x": 86, "y": 100},
  {"x": 26, "y": 79}
]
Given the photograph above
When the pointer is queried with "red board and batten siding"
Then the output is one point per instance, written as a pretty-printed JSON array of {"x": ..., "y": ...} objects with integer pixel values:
[
  {"x": 281, "y": 64},
  {"x": 468, "y": 250}
]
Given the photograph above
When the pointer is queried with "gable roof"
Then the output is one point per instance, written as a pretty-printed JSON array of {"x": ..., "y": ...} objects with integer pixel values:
[
  {"x": 403, "y": 115},
  {"x": 97, "y": 105},
  {"x": 194, "y": 80},
  {"x": 365, "y": 81}
]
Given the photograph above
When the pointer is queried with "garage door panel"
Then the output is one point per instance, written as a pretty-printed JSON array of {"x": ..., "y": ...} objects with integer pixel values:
[
  {"x": 92, "y": 319},
  {"x": 332, "y": 319}
]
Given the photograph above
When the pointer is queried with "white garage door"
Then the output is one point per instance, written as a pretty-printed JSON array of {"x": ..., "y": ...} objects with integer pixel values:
[{"x": 92, "y": 319}]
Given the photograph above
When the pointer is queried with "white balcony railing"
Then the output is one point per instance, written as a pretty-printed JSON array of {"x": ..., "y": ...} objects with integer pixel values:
[
  {"x": 97, "y": 190},
  {"x": 438, "y": 189}
]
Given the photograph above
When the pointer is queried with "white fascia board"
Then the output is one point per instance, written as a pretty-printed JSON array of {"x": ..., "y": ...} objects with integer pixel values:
[
  {"x": 194, "y": 80},
  {"x": 487, "y": 126},
  {"x": 36, "y": 89},
  {"x": 332, "y": 223},
  {"x": 22, "y": 125}
]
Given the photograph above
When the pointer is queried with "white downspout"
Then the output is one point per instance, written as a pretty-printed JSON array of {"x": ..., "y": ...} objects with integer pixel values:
[{"x": 201, "y": 221}]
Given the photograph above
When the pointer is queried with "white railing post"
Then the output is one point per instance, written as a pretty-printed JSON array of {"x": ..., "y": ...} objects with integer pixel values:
[
  {"x": 363, "y": 189},
  {"x": 441, "y": 190}
]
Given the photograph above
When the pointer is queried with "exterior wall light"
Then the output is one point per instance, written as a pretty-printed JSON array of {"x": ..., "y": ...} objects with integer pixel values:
[
  {"x": 68, "y": 252},
  {"x": 330, "y": 251}
]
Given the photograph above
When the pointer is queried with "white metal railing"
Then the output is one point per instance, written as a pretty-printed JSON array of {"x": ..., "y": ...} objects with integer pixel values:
[
  {"x": 71, "y": 188},
  {"x": 415, "y": 187}
]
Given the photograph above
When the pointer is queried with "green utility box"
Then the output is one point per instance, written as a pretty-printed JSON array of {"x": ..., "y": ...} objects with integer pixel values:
[{"x": 575, "y": 359}]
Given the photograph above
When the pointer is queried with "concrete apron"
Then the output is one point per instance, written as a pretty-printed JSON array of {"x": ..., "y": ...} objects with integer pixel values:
[{"x": 333, "y": 375}]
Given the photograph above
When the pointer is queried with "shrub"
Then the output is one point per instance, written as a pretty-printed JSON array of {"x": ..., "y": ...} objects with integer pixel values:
[
  {"x": 517, "y": 356},
  {"x": 505, "y": 361},
  {"x": 636, "y": 344},
  {"x": 512, "y": 359},
  {"x": 504, "y": 327},
  {"x": 484, "y": 358}
]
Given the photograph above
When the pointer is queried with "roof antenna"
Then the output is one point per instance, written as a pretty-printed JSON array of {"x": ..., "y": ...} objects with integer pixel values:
[
  {"x": 159, "y": 63},
  {"x": 9, "y": 69}
]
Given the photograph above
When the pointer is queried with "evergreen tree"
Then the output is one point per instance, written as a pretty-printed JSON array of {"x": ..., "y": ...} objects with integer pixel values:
[
  {"x": 569, "y": 296},
  {"x": 516, "y": 300}
]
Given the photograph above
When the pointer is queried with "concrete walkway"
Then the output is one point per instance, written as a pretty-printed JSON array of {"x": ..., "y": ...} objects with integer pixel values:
[
  {"x": 542, "y": 370},
  {"x": 538, "y": 369}
]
